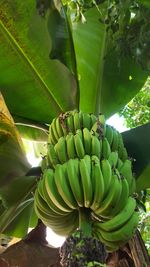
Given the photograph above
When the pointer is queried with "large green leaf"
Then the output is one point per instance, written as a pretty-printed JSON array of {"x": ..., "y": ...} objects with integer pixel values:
[
  {"x": 89, "y": 42},
  {"x": 15, "y": 197},
  {"x": 62, "y": 43},
  {"x": 122, "y": 79},
  {"x": 107, "y": 81},
  {"x": 34, "y": 86},
  {"x": 143, "y": 181},
  {"x": 17, "y": 190},
  {"x": 8, "y": 216},
  {"x": 19, "y": 226},
  {"x": 137, "y": 142}
]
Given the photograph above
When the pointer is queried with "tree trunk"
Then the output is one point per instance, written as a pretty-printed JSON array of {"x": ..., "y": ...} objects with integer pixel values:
[{"x": 134, "y": 254}]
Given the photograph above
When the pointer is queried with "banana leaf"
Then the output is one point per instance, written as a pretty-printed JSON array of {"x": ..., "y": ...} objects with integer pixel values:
[
  {"x": 61, "y": 37},
  {"x": 143, "y": 181},
  {"x": 15, "y": 197},
  {"x": 28, "y": 78},
  {"x": 137, "y": 142},
  {"x": 20, "y": 225},
  {"x": 107, "y": 81}
]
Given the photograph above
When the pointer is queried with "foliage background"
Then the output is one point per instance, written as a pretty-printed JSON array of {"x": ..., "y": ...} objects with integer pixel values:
[{"x": 137, "y": 111}]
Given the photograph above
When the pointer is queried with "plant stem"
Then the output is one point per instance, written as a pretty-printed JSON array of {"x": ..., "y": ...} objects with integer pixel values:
[{"x": 85, "y": 221}]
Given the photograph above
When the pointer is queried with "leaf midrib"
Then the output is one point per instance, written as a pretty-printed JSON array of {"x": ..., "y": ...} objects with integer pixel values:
[{"x": 27, "y": 61}]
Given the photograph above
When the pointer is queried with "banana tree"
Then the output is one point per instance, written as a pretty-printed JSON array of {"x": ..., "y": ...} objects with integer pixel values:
[{"x": 70, "y": 65}]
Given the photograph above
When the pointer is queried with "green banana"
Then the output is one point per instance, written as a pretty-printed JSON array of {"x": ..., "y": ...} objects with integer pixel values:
[
  {"x": 113, "y": 159},
  {"x": 75, "y": 180},
  {"x": 44, "y": 163},
  {"x": 44, "y": 194},
  {"x": 76, "y": 118},
  {"x": 107, "y": 174},
  {"x": 52, "y": 218},
  {"x": 122, "y": 199},
  {"x": 97, "y": 183},
  {"x": 105, "y": 148},
  {"x": 63, "y": 186},
  {"x": 62, "y": 225},
  {"x": 87, "y": 140},
  {"x": 52, "y": 191},
  {"x": 93, "y": 119},
  {"x": 70, "y": 123},
  {"x": 95, "y": 129},
  {"x": 71, "y": 151},
  {"x": 126, "y": 171},
  {"x": 63, "y": 123},
  {"x": 80, "y": 133},
  {"x": 120, "y": 144},
  {"x": 111, "y": 199},
  {"x": 119, "y": 164},
  {"x": 115, "y": 141},
  {"x": 53, "y": 160},
  {"x": 67, "y": 225},
  {"x": 86, "y": 183},
  {"x": 41, "y": 204},
  {"x": 96, "y": 146},
  {"x": 109, "y": 134},
  {"x": 79, "y": 145},
  {"x": 125, "y": 232},
  {"x": 120, "y": 219},
  {"x": 52, "y": 138},
  {"x": 110, "y": 246},
  {"x": 58, "y": 127},
  {"x": 102, "y": 122},
  {"x": 124, "y": 155},
  {"x": 132, "y": 188},
  {"x": 86, "y": 120},
  {"x": 61, "y": 149},
  {"x": 41, "y": 215},
  {"x": 53, "y": 125},
  {"x": 87, "y": 160}
]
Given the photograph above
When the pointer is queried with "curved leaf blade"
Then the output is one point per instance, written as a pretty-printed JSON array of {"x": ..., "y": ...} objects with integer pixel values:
[
  {"x": 137, "y": 142},
  {"x": 107, "y": 81},
  {"x": 62, "y": 43},
  {"x": 20, "y": 225},
  {"x": 122, "y": 79},
  {"x": 16, "y": 196},
  {"x": 89, "y": 42},
  {"x": 143, "y": 181},
  {"x": 9, "y": 215},
  {"x": 28, "y": 71}
]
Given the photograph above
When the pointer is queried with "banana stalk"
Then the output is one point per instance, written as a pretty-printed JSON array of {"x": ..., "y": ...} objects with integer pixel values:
[{"x": 85, "y": 222}]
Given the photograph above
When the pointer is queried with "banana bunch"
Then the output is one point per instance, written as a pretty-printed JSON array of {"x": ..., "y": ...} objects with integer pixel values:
[
  {"x": 87, "y": 167},
  {"x": 70, "y": 122},
  {"x": 80, "y": 143},
  {"x": 84, "y": 142},
  {"x": 115, "y": 232},
  {"x": 86, "y": 182}
]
